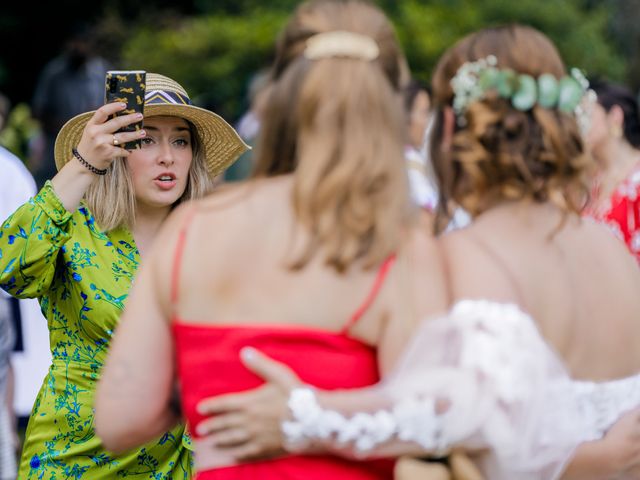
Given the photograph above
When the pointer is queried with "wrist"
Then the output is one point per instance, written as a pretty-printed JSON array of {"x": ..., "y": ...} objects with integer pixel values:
[
  {"x": 86, "y": 164},
  {"x": 303, "y": 409},
  {"x": 79, "y": 169},
  {"x": 71, "y": 183}
]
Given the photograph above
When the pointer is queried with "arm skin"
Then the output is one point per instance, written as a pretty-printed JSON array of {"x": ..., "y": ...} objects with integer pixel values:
[{"x": 616, "y": 456}]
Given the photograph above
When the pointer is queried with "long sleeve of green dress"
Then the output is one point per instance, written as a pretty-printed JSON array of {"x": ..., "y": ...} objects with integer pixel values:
[
  {"x": 81, "y": 277},
  {"x": 33, "y": 237}
]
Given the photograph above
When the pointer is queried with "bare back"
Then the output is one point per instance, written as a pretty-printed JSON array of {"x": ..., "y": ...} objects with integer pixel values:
[
  {"x": 575, "y": 278},
  {"x": 246, "y": 238}
]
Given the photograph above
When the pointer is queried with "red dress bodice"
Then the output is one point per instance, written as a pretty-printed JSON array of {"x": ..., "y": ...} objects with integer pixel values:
[{"x": 208, "y": 364}]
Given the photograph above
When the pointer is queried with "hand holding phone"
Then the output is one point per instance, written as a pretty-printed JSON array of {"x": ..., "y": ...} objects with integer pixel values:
[{"x": 127, "y": 86}]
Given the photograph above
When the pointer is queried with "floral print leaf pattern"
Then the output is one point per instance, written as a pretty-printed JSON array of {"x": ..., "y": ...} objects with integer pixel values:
[
  {"x": 81, "y": 277},
  {"x": 621, "y": 212}
]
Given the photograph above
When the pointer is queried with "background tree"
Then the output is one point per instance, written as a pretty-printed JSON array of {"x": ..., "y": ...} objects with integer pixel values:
[
  {"x": 214, "y": 47},
  {"x": 216, "y": 52}
]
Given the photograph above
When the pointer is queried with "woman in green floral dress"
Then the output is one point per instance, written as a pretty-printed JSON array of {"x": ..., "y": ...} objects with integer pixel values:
[{"x": 76, "y": 246}]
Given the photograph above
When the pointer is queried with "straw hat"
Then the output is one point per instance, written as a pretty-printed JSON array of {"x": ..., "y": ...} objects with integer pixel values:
[{"x": 221, "y": 143}]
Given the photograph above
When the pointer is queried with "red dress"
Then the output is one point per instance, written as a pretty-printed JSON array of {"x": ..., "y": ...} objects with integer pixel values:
[
  {"x": 622, "y": 212},
  {"x": 208, "y": 364}
]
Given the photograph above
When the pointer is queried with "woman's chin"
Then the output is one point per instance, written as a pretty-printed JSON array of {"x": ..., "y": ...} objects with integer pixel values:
[{"x": 161, "y": 199}]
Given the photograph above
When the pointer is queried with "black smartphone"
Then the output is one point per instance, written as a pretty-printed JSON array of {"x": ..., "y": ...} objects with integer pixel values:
[{"x": 127, "y": 86}]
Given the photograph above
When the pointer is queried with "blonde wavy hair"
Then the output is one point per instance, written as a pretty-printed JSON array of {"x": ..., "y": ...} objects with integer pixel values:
[
  {"x": 337, "y": 124},
  {"x": 111, "y": 198},
  {"x": 502, "y": 153}
]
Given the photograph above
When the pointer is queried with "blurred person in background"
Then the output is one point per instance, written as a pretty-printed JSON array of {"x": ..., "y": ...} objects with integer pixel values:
[
  {"x": 248, "y": 126},
  {"x": 417, "y": 102},
  {"x": 422, "y": 181},
  {"x": 16, "y": 187},
  {"x": 70, "y": 84},
  {"x": 614, "y": 140},
  {"x": 17, "y": 182},
  {"x": 8, "y": 433}
]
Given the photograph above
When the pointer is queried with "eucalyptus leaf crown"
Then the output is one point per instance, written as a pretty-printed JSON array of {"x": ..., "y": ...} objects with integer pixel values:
[{"x": 474, "y": 80}]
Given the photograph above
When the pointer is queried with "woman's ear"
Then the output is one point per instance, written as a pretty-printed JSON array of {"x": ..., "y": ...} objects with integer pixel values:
[
  {"x": 615, "y": 119},
  {"x": 448, "y": 126}
]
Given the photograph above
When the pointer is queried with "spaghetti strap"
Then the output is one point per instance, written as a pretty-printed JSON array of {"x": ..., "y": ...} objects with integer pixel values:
[
  {"x": 177, "y": 257},
  {"x": 373, "y": 293}
]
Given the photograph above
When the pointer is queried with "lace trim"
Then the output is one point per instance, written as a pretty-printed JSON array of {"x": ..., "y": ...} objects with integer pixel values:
[
  {"x": 502, "y": 346},
  {"x": 603, "y": 403},
  {"x": 411, "y": 420}
]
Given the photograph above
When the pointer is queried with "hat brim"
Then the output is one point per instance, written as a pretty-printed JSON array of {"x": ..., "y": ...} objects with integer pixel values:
[{"x": 221, "y": 143}]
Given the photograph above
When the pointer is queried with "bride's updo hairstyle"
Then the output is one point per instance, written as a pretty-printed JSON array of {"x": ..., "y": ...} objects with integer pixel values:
[{"x": 500, "y": 152}]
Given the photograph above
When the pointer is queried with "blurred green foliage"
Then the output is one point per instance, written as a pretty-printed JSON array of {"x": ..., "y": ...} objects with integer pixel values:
[
  {"x": 427, "y": 29},
  {"x": 18, "y": 131},
  {"x": 212, "y": 56},
  {"x": 215, "y": 54}
]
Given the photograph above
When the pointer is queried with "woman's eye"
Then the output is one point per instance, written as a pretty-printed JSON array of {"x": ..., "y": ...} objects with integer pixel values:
[
  {"x": 146, "y": 141},
  {"x": 182, "y": 142}
]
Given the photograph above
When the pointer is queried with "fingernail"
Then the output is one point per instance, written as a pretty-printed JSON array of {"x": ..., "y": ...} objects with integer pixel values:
[
  {"x": 248, "y": 353},
  {"x": 200, "y": 408},
  {"x": 138, "y": 115},
  {"x": 142, "y": 133},
  {"x": 123, "y": 105}
]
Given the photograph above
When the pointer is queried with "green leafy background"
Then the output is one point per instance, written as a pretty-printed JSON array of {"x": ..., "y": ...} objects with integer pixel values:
[{"x": 214, "y": 47}]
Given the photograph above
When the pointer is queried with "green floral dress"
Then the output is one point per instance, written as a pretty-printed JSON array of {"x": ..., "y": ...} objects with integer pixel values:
[{"x": 82, "y": 277}]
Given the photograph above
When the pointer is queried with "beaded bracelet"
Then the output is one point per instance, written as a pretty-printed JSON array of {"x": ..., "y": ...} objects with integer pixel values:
[{"x": 91, "y": 168}]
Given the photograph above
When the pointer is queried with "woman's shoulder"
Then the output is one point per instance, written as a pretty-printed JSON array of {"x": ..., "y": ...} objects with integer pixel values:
[
  {"x": 16, "y": 175},
  {"x": 608, "y": 240},
  {"x": 462, "y": 246},
  {"x": 421, "y": 243},
  {"x": 229, "y": 208},
  {"x": 233, "y": 195},
  {"x": 478, "y": 265}
]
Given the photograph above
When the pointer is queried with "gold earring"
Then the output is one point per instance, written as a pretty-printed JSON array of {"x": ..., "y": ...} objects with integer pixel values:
[{"x": 616, "y": 131}]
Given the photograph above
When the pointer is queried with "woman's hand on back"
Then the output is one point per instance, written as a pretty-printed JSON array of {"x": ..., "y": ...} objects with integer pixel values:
[{"x": 246, "y": 425}]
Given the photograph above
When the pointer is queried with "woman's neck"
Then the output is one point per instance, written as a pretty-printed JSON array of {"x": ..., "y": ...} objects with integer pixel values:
[
  {"x": 616, "y": 163},
  {"x": 525, "y": 211},
  {"x": 619, "y": 156},
  {"x": 146, "y": 225}
]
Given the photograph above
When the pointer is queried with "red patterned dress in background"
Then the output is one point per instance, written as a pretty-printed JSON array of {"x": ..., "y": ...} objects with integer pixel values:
[{"x": 622, "y": 210}]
